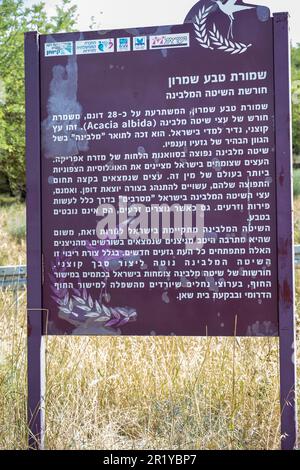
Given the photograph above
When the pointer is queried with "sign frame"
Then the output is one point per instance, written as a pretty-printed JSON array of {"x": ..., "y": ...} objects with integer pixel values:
[
  {"x": 286, "y": 291},
  {"x": 35, "y": 338},
  {"x": 285, "y": 231}
]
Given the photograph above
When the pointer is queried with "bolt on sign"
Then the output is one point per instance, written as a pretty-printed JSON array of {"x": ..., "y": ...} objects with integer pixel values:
[{"x": 159, "y": 185}]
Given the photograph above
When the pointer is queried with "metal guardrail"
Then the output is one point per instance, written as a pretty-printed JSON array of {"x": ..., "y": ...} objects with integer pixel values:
[
  {"x": 16, "y": 276},
  {"x": 13, "y": 276},
  {"x": 297, "y": 256}
]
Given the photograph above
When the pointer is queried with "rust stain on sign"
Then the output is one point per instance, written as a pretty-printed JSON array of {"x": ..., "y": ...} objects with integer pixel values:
[{"x": 286, "y": 292}]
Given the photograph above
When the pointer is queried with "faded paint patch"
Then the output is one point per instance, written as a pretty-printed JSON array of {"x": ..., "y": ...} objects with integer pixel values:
[
  {"x": 165, "y": 297},
  {"x": 62, "y": 100},
  {"x": 265, "y": 328},
  {"x": 95, "y": 330},
  {"x": 263, "y": 13}
]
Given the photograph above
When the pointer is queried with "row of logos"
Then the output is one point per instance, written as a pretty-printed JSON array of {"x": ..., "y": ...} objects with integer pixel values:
[{"x": 125, "y": 44}]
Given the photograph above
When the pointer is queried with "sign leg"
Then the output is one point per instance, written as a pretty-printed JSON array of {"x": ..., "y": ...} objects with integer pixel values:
[
  {"x": 36, "y": 381},
  {"x": 288, "y": 390},
  {"x": 36, "y": 351}
]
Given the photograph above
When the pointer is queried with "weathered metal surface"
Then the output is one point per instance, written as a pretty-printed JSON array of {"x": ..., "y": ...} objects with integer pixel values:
[
  {"x": 35, "y": 351},
  {"x": 126, "y": 83}
]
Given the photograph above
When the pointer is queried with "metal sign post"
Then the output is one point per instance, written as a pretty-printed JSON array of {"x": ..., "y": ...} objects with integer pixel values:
[
  {"x": 285, "y": 232},
  {"x": 35, "y": 341},
  {"x": 128, "y": 134}
]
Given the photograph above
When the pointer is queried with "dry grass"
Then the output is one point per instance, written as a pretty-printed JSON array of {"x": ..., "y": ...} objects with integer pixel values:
[
  {"x": 140, "y": 393},
  {"x": 12, "y": 234}
]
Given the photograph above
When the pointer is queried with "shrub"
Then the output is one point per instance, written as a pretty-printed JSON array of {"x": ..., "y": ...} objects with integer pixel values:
[
  {"x": 16, "y": 223},
  {"x": 297, "y": 182}
]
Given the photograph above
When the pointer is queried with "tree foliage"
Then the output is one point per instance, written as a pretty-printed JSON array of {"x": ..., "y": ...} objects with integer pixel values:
[{"x": 15, "y": 19}]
